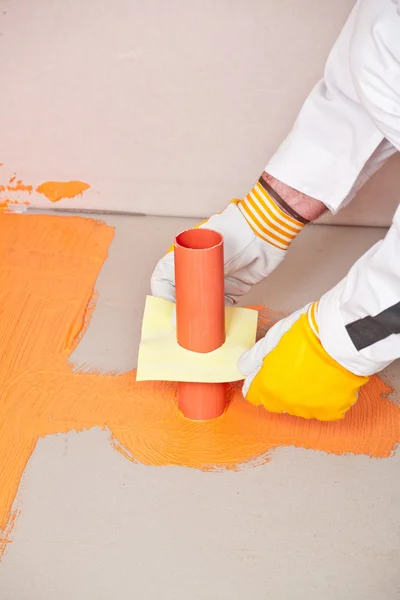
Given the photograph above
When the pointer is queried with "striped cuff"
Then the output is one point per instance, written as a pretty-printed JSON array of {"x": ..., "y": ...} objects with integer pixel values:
[
  {"x": 266, "y": 218},
  {"x": 312, "y": 315}
]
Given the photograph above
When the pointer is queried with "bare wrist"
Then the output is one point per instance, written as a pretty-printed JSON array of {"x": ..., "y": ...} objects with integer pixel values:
[{"x": 307, "y": 207}]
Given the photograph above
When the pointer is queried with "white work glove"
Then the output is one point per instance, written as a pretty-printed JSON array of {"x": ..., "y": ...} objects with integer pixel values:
[{"x": 247, "y": 258}]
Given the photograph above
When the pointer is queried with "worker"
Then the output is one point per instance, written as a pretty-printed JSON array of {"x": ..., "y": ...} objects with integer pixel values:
[{"x": 312, "y": 363}]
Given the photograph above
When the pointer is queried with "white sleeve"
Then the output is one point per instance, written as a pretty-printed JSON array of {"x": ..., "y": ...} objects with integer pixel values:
[
  {"x": 359, "y": 320},
  {"x": 350, "y": 123}
]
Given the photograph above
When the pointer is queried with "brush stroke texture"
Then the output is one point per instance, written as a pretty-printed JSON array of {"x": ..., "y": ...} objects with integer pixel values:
[{"x": 48, "y": 269}]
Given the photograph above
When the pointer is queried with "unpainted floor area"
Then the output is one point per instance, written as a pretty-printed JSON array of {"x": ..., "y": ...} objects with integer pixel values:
[{"x": 305, "y": 526}]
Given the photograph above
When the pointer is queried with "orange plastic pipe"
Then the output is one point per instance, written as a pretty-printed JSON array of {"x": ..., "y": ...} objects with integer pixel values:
[{"x": 200, "y": 314}]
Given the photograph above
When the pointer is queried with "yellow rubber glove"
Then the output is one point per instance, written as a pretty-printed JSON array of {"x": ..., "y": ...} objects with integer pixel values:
[{"x": 289, "y": 371}]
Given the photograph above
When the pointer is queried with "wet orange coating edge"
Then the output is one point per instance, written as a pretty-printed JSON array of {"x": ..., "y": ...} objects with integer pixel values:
[
  {"x": 200, "y": 314},
  {"x": 48, "y": 269}
]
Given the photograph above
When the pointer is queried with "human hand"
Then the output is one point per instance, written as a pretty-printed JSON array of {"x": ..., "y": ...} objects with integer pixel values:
[{"x": 247, "y": 258}]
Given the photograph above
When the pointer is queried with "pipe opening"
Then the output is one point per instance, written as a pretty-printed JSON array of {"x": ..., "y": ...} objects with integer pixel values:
[{"x": 198, "y": 239}]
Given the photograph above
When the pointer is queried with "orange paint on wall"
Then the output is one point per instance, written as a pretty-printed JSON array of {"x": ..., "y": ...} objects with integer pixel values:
[
  {"x": 53, "y": 190},
  {"x": 48, "y": 268},
  {"x": 19, "y": 187},
  {"x": 8, "y": 206},
  {"x": 7, "y": 203},
  {"x": 57, "y": 190}
]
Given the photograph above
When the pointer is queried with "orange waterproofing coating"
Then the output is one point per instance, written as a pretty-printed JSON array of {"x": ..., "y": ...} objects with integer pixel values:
[
  {"x": 200, "y": 314},
  {"x": 48, "y": 267}
]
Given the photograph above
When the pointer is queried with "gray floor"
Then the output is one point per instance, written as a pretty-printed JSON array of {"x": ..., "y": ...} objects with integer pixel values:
[{"x": 306, "y": 526}]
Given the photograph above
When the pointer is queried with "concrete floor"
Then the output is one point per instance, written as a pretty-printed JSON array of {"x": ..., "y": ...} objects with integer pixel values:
[{"x": 306, "y": 526}]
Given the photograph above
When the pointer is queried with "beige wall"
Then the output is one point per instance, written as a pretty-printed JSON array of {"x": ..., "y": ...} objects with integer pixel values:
[{"x": 164, "y": 107}]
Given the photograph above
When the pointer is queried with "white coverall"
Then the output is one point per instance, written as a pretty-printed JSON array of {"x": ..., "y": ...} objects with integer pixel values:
[{"x": 348, "y": 127}]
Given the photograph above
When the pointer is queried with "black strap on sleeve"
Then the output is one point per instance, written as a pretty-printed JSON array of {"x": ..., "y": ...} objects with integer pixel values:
[{"x": 369, "y": 330}]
